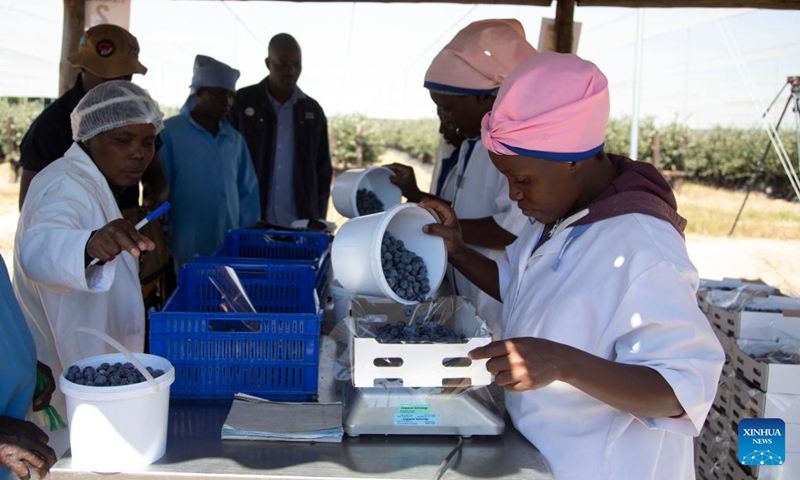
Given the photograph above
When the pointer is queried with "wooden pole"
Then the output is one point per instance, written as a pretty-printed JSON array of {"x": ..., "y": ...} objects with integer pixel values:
[
  {"x": 565, "y": 12},
  {"x": 70, "y": 37}
]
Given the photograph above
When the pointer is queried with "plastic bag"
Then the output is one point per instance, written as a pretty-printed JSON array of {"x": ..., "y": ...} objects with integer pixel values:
[{"x": 445, "y": 320}]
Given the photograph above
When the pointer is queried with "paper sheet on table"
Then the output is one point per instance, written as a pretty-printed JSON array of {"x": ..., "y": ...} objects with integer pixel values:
[{"x": 253, "y": 418}]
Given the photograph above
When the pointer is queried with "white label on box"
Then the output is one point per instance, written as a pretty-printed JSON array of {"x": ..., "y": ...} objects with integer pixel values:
[{"x": 425, "y": 420}]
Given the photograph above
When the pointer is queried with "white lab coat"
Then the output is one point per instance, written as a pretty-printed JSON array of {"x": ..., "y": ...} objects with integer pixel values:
[
  {"x": 67, "y": 201},
  {"x": 478, "y": 190},
  {"x": 623, "y": 290}
]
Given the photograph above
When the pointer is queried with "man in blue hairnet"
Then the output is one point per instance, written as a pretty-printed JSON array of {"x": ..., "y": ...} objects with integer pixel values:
[{"x": 213, "y": 186}]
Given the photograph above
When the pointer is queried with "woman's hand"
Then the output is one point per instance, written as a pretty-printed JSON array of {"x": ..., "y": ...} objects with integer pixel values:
[
  {"x": 24, "y": 445},
  {"x": 448, "y": 228},
  {"x": 531, "y": 363},
  {"x": 114, "y": 238},
  {"x": 406, "y": 180},
  {"x": 478, "y": 269},
  {"x": 525, "y": 363},
  {"x": 42, "y": 400}
]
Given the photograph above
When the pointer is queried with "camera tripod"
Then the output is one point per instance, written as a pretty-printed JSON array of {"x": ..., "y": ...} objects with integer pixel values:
[{"x": 794, "y": 100}]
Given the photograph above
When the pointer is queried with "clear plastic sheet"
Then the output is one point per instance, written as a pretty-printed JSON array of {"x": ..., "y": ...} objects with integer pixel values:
[
  {"x": 226, "y": 281},
  {"x": 235, "y": 300},
  {"x": 735, "y": 300},
  {"x": 434, "y": 321},
  {"x": 784, "y": 350}
]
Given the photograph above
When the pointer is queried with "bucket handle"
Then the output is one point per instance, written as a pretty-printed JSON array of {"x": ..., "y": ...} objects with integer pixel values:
[{"x": 124, "y": 351}]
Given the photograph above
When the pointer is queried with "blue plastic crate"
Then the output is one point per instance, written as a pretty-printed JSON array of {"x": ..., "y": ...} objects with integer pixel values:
[
  {"x": 275, "y": 245},
  {"x": 259, "y": 247},
  {"x": 272, "y": 354}
]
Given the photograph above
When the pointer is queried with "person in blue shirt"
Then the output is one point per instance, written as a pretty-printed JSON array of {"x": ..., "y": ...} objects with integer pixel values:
[
  {"x": 213, "y": 186},
  {"x": 22, "y": 443}
]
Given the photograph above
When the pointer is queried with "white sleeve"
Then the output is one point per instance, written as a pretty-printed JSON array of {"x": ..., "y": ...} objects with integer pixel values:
[
  {"x": 53, "y": 245},
  {"x": 659, "y": 325}
]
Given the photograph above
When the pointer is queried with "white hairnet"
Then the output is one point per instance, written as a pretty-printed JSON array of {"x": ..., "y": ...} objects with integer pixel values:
[{"x": 114, "y": 104}]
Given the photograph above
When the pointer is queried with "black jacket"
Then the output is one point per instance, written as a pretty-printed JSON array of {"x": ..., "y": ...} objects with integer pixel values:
[{"x": 254, "y": 117}]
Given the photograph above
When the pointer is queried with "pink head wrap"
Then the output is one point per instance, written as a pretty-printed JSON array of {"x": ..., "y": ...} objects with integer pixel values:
[
  {"x": 479, "y": 57},
  {"x": 554, "y": 106}
]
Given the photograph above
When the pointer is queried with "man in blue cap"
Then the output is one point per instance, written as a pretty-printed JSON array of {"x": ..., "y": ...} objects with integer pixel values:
[{"x": 213, "y": 186}]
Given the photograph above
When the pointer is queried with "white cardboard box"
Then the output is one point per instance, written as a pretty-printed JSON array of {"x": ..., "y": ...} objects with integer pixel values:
[
  {"x": 726, "y": 285},
  {"x": 785, "y": 406},
  {"x": 757, "y": 322},
  {"x": 421, "y": 365},
  {"x": 767, "y": 377}
]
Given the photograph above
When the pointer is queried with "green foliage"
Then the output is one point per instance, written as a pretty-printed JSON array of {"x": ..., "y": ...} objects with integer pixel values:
[
  {"x": 22, "y": 113},
  {"x": 731, "y": 158},
  {"x": 722, "y": 157},
  {"x": 419, "y": 138},
  {"x": 355, "y": 140}
]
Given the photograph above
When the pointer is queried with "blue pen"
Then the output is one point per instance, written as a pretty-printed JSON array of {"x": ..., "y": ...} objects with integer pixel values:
[{"x": 149, "y": 218}]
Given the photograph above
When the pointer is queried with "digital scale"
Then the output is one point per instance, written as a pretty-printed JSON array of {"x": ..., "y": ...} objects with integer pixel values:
[
  {"x": 421, "y": 411},
  {"x": 418, "y": 389}
]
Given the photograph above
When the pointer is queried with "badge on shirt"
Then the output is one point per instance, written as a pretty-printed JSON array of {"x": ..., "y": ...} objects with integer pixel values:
[
  {"x": 309, "y": 115},
  {"x": 249, "y": 111}
]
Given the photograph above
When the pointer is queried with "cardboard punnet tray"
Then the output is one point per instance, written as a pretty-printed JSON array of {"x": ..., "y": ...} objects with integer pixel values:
[
  {"x": 785, "y": 406},
  {"x": 766, "y": 318},
  {"x": 418, "y": 365},
  {"x": 723, "y": 396},
  {"x": 767, "y": 377}
]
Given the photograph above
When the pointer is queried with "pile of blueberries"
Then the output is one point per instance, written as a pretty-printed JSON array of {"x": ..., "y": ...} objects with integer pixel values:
[
  {"x": 429, "y": 332},
  {"x": 367, "y": 202},
  {"x": 404, "y": 270},
  {"x": 109, "y": 375}
]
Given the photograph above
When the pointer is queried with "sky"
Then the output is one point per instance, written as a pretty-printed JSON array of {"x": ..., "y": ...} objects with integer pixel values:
[{"x": 703, "y": 67}]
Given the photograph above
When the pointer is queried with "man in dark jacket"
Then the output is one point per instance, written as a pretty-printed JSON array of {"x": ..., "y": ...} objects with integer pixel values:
[{"x": 287, "y": 134}]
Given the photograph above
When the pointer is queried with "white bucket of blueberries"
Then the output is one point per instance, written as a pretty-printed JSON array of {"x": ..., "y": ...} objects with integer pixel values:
[
  {"x": 364, "y": 191},
  {"x": 117, "y": 416},
  {"x": 388, "y": 255}
]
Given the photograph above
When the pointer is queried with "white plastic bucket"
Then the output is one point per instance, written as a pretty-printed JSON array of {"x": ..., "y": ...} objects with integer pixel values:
[
  {"x": 113, "y": 429},
  {"x": 356, "y": 250},
  {"x": 375, "y": 179}
]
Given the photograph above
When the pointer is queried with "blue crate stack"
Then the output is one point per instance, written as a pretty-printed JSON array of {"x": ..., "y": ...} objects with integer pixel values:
[
  {"x": 273, "y": 353},
  {"x": 257, "y": 247}
]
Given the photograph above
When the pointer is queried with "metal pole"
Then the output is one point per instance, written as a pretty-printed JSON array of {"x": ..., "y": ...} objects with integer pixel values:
[
  {"x": 637, "y": 84},
  {"x": 760, "y": 163}
]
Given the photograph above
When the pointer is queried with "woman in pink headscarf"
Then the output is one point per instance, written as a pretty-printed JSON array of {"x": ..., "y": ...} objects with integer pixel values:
[
  {"x": 463, "y": 80},
  {"x": 608, "y": 364}
]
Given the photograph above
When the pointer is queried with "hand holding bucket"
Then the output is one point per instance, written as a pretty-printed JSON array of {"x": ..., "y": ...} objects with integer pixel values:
[{"x": 373, "y": 179}]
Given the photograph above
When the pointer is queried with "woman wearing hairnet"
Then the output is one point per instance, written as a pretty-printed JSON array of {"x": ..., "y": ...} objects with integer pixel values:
[{"x": 70, "y": 217}]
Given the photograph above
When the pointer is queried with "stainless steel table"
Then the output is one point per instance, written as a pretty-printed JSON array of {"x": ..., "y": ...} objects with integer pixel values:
[{"x": 195, "y": 449}]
